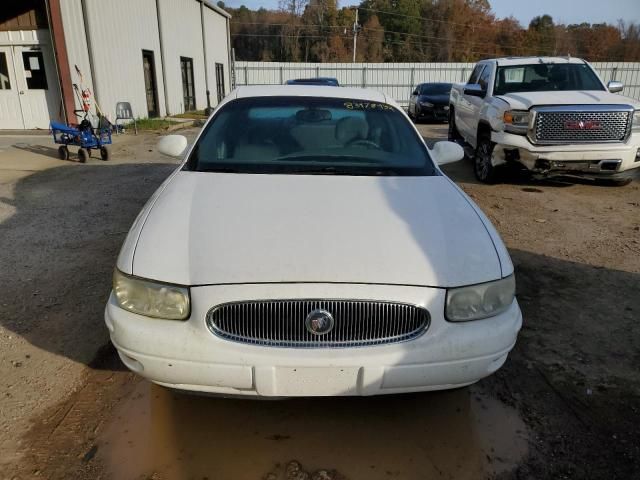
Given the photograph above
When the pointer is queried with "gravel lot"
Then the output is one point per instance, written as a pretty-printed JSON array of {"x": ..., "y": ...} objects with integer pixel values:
[{"x": 565, "y": 405}]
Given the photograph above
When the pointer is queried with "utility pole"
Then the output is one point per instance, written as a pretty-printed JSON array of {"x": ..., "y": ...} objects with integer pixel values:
[{"x": 356, "y": 29}]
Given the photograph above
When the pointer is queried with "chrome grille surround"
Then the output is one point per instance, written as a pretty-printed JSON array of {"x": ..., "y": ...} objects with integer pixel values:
[
  {"x": 549, "y": 125},
  {"x": 281, "y": 323}
]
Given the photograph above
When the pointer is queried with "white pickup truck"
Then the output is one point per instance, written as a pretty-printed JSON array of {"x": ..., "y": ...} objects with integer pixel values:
[{"x": 550, "y": 115}]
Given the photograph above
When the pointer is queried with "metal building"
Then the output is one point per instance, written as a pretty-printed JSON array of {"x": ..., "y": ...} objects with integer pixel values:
[{"x": 162, "y": 56}]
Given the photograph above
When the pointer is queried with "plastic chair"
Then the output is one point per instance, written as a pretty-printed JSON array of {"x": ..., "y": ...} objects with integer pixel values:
[{"x": 125, "y": 112}]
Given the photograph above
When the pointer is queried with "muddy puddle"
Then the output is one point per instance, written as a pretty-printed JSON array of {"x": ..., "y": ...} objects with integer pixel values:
[{"x": 461, "y": 434}]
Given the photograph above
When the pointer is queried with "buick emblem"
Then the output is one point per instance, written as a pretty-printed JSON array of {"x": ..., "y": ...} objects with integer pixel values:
[{"x": 319, "y": 322}]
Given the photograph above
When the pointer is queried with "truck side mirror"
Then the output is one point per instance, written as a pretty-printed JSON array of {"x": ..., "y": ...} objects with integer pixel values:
[
  {"x": 474, "y": 90},
  {"x": 615, "y": 87}
]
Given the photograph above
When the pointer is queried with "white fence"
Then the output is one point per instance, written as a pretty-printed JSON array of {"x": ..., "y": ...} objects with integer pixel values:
[{"x": 397, "y": 80}]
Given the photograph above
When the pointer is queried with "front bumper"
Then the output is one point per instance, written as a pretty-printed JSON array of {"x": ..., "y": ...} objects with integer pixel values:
[
  {"x": 186, "y": 355},
  {"x": 437, "y": 112},
  {"x": 608, "y": 160}
]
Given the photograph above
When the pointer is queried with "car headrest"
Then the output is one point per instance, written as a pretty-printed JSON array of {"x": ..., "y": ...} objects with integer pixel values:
[{"x": 351, "y": 128}]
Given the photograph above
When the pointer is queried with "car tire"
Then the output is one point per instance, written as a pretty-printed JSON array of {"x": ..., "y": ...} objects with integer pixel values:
[
  {"x": 453, "y": 134},
  {"x": 482, "y": 167},
  {"x": 83, "y": 155},
  {"x": 105, "y": 153},
  {"x": 63, "y": 153}
]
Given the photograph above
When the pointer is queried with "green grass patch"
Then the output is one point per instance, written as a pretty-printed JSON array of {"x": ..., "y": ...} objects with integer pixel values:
[
  {"x": 153, "y": 123},
  {"x": 198, "y": 114}
]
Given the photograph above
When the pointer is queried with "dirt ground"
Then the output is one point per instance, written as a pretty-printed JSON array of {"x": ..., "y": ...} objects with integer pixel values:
[{"x": 565, "y": 405}]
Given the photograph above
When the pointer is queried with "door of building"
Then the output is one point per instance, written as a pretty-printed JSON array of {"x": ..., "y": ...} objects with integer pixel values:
[
  {"x": 37, "y": 87},
  {"x": 220, "y": 81},
  {"x": 10, "y": 111},
  {"x": 29, "y": 93},
  {"x": 148, "y": 66},
  {"x": 188, "y": 90}
]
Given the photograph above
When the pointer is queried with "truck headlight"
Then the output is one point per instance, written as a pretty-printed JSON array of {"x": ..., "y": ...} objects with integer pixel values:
[
  {"x": 149, "y": 298},
  {"x": 480, "y": 301},
  {"x": 635, "y": 125},
  {"x": 516, "y": 121}
]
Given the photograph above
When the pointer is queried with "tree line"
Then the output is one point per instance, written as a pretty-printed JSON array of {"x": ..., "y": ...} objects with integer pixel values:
[{"x": 416, "y": 31}]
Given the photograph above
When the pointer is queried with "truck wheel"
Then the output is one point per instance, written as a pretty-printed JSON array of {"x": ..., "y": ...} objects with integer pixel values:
[
  {"x": 484, "y": 170},
  {"x": 453, "y": 133},
  {"x": 63, "y": 153},
  {"x": 83, "y": 155}
]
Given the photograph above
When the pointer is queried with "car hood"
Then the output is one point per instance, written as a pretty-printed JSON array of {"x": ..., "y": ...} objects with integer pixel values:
[
  {"x": 215, "y": 228},
  {"x": 526, "y": 100},
  {"x": 435, "y": 99}
]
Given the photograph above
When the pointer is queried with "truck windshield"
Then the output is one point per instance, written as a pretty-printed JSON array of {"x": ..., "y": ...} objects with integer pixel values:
[
  {"x": 310, "y": 135},
  {"x": 544, "y": 77}
]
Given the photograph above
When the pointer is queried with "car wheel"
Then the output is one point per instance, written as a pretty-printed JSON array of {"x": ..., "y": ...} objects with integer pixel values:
[
  {"x": 83, "y": 155},
  {"x": 63, "y": 153},
  {"x": 484, "y": 170},
  {"x": 453, "y": 133}
]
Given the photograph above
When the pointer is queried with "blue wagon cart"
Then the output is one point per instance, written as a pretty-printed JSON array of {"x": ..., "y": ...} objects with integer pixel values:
[{"x": 83, "y": 136}]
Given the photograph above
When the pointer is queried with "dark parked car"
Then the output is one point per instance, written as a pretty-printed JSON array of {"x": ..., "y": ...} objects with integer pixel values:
[
  {"x": 325, "y": 81},
  {"x": 430, "y": 101}
]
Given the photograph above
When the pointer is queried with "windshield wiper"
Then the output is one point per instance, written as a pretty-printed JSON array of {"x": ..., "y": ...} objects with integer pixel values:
[
  {"x": 373, "y": 172},
  {"x": 221, "y": 170}
]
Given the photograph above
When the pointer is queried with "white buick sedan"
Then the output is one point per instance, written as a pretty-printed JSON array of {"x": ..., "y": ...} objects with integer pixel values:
[{"x": 310, "y": 245}]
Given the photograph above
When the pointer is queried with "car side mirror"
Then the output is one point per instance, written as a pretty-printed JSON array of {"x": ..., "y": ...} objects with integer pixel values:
[
  {"x": 474, "y": 90},
  {"x": 615, "y": 87},
  {"x": 172, "y": 145},
  {"x": 415, "y": 92},
  {"x": 447, "y": 152}
]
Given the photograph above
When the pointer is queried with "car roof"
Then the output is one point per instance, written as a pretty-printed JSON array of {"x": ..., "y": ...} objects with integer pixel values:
[
  {"x": 310, "y": 91},
  {"x": 529, "y": 60},
  {"x": 435, "y": 83}
]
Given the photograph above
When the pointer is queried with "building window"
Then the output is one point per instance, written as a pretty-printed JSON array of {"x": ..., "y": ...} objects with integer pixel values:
[
  {"x": 5, "y": 83},
  {"x": 188, "y": 90},
  {"x": 220, "y": 81},
  {"x": 34, "y": 70}
]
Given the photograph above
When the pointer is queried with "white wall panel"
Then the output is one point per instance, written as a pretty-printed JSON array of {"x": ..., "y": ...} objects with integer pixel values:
[
  {"x": 119, "y": 31},
  {"x": 76, "y": 43},
  {"x": 182, "y": 34},
  {"x": 217, "y": 51}
]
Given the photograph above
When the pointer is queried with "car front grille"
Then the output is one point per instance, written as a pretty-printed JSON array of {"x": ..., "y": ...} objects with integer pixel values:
[
  {"x": 283, "y": 323},
  {"x": 564, "y": 126}
]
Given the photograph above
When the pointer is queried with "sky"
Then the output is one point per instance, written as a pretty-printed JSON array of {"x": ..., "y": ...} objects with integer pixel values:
[{"x": 562, "y": 11}]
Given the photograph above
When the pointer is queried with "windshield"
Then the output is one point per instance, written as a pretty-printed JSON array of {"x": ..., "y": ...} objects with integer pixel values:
[
  {"x": 544, "y": 77},
  {"x": 308, "y": 135},
  {"x": 436, "y": 89}
]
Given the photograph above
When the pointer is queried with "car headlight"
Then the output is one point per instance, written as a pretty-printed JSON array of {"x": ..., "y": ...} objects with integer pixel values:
[
  {"x": 149, "y": 298},
  {"x": 635, "y": 126},
  {"x": 426, "y": 104},
  {"x": 516, "y": 121},
  {"x": 480, "y": 301}
]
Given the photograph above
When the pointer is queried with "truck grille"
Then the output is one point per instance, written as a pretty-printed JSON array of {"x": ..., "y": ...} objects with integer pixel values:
[
  {"x": 282, "y": 323},
  {"x": 555, "y": 127}
]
